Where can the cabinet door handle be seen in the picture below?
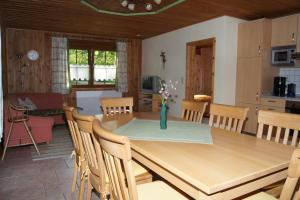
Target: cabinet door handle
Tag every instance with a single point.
(271, 109)
(293, 36)
(271, 101)
(257, 96)
(259, 49)
(256, 110)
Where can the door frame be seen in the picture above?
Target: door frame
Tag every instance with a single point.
(189, 59)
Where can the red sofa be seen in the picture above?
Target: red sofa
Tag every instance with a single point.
(41, 127)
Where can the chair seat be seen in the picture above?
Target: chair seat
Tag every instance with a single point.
(261, 196)
(138, 169)
(158, 190)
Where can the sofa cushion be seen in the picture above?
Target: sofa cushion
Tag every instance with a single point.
(27, 103)
(42, 100)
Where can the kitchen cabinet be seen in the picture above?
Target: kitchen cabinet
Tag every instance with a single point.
(250, 38)
(272, 104)
(248, 80)
(250, 124)
(284, 31)
(254, 75)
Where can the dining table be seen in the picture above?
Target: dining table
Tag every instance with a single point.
(233, 165)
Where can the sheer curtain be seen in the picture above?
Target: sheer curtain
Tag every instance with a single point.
(122, 83)
(60, 80)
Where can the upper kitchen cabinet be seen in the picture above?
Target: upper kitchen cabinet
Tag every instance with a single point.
(284, 31)
(251, 38)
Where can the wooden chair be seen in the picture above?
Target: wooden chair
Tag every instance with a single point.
(192, 110)
(280, 124)
(95, 166)
(18, 114)
(227, 117)
(97, 177)
(289, 187)
(80, 163)
(120, 105)
(118, 161)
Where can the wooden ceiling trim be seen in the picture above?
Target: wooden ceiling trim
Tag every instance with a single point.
(72, 16)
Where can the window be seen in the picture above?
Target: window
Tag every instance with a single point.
(104, 67)
(79, 67)
(92, 67)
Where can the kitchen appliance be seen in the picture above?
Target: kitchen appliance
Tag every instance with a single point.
(292, 107)
(283, 55)
(291, 90)
(279, 86)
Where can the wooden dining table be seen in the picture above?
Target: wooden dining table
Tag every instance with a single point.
(234, 165)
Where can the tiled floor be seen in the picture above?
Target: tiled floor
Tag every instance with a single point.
(24, 179)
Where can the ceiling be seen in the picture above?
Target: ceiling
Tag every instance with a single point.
(70, 16)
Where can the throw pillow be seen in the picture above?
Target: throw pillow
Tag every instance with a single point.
(30, 104)
(21, 102)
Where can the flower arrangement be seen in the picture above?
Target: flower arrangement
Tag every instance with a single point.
(165, 91)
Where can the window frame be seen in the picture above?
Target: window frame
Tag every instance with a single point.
(91, 53)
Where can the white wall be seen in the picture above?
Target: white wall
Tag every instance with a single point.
(224, 29)
(89, 100)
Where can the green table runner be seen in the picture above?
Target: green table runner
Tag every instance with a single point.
(177, 131)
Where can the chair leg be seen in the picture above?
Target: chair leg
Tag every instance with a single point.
(74, 176)
(89, 190)
(81, 187)
(7, 139)
(30, 135)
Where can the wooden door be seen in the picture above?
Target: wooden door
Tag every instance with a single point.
(250, 39)
(248, 80)
(200, 68)
(298, 36)
(284, 31)
(250, 125)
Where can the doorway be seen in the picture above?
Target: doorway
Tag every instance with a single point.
(200, 70)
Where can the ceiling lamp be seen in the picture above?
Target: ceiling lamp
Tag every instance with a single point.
(131, 7)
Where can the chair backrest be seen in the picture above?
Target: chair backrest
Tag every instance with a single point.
(91, 146)
(277, 124)
(77, 142)
(227, 117)
(117, 157)
(193, 110)
(119, 105)
(291, 182)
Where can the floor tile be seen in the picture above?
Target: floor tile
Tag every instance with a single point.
(28, 193)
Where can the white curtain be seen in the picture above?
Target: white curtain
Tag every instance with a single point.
(122, 83)
(1, 91)
(60, 80)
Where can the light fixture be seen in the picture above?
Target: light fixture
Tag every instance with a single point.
(131, 7)
(124, 3)
(148, 6)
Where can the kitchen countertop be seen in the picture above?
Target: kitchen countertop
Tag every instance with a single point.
(297, 98)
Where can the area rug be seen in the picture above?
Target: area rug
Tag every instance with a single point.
(61, 145)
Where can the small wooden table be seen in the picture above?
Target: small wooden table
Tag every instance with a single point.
(234, 165)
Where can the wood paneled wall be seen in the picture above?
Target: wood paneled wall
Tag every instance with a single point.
(134, 49)
(24, 75)
(35, 76)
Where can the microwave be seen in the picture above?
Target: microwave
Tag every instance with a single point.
(283, 55)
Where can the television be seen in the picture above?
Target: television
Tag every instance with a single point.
(150, 84)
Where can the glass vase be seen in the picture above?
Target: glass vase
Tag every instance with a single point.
(163, 116)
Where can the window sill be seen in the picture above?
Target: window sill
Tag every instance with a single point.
(93, 87)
